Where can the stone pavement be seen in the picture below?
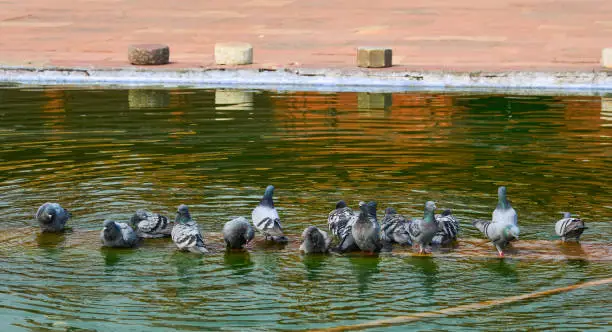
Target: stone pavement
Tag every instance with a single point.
(468, 35)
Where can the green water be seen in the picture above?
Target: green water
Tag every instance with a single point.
(105, 153)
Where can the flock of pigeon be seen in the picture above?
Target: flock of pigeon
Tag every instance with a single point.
(355, 231)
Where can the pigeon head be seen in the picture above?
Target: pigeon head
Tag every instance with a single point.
(372, 209)
(430, 208)
(45, 213)
(390, 211)
(182, 214)
(267, 197)
(249, 234)
(111, 229)
(503, 200)
(512, 232)
(566, 215)
(341, 204)
(137, 217)
(363, 216)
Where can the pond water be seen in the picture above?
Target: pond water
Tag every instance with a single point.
(105, 153)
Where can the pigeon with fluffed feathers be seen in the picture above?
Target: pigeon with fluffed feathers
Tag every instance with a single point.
(394, 228)
(340, 222)
(118, 235)
(314, 241)
(366, 230)
(237, 233)
(52, 217)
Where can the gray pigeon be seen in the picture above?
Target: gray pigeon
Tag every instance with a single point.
(118, 235)
(266, 219)
(366, 230)
(569, 227)
(238, 232)
(423, 230)
(314, 241)
(52, 217)
(340, 222)
(499, 233)
(504, 213)
(151, 225)
(186, 232)
(395, 228)
(448, 228)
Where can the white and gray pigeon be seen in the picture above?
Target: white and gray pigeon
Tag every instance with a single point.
(504, 213)
(448, 228)
(569, 227)
(366, 230)
(266, 219)
(237, 232)
(423, 230)
(52, 217)
(500, 233)
(314, 241)
(340, 222)
(395, 228)
(118, 235)
(186, 233)
(151, 225)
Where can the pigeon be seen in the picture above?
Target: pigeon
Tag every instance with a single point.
(52, 217)
(314, 241)
(569, 227)
(238, 232)
(395, 228)
(186, 232)
(423, 230)
(504, 213)
(366, 230)
(340, 222)
(266, 220)
(448, 227)
(151, 225)
(118, 235)
(499, 233)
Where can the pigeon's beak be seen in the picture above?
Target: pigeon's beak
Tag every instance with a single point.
(105, 229)
(49, 216)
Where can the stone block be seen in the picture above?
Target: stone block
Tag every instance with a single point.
(149, 54)
(606, 57)
(374, 57)
(143, 99)
(233, 53)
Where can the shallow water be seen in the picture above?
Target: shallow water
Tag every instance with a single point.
(105, 153)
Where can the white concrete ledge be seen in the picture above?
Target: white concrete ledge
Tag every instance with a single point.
(334, 79)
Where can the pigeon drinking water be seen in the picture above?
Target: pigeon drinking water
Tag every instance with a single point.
(118, 235)
(186, 233)
(266, 219)
(499, 233)
(314, 241)
(569, 227)
(238, 232)
(423, 230)
(52, 217)
(366, 230)
(151, 225)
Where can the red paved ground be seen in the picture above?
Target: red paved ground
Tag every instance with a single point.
(424, 34)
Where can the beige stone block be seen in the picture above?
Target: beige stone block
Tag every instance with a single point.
(606, 57)
(233, 53)
(374, 57)
(233, 100)
(606, 111)
(149, 54)
(142, 99)
(373, 101)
